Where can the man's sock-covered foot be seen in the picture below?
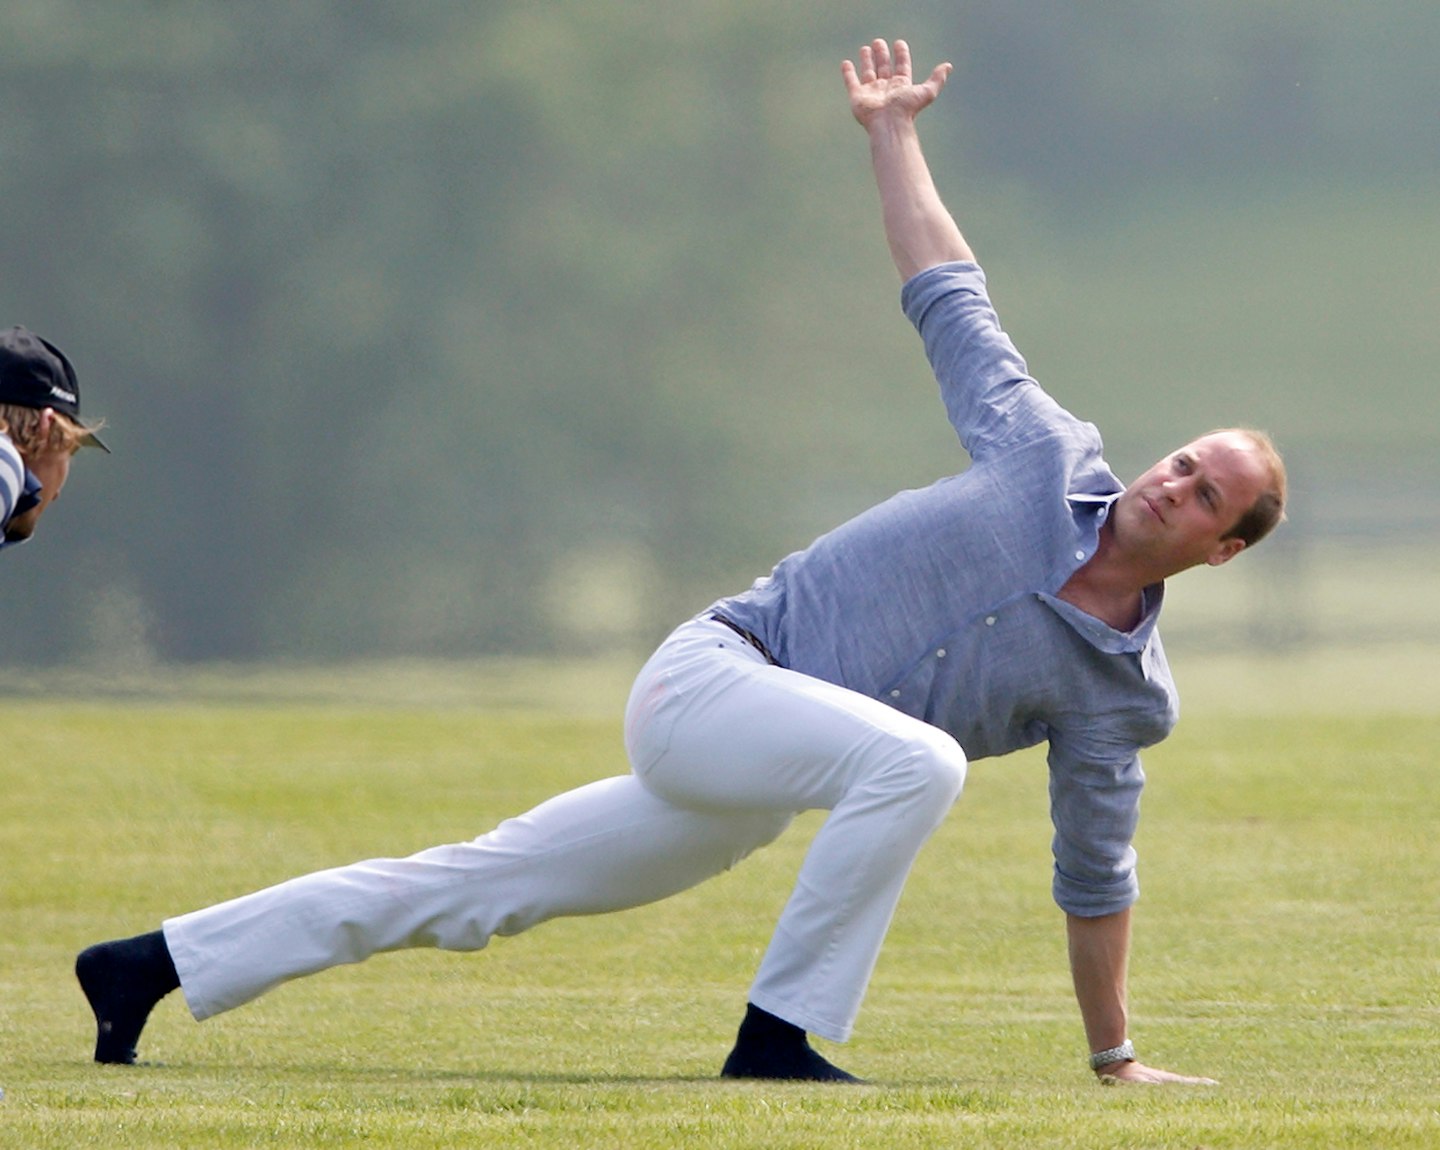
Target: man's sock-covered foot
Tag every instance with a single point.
(124, 980)
(770, 1047)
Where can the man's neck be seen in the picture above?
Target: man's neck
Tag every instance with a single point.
(1121, 611)
(1107, 587)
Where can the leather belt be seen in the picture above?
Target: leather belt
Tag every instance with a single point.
(746, 635)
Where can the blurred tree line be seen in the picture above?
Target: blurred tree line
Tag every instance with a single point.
(455, 328)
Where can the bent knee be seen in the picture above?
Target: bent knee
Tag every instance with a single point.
(947, 765)
(934, 766)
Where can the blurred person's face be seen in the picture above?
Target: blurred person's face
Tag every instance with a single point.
(52, 468)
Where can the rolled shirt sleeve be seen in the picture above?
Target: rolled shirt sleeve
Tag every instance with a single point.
(1095, 808)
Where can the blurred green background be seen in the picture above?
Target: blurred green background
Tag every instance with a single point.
(476, 329)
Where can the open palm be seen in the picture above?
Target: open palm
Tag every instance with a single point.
(883, 82)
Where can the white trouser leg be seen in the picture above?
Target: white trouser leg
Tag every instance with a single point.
(601, 847)
(725, 748)
(724, 729)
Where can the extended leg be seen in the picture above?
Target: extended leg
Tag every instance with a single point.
(602, 847)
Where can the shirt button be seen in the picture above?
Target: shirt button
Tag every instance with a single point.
(989, 620)
(1079, 555)
(940, 654)
(894, 694)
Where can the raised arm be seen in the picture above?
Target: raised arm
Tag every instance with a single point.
(885, 100)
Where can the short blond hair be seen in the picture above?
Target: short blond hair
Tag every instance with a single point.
(22, 425)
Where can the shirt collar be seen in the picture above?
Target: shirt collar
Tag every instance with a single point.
(1095, 508)
(1104, 637)
(1085, 500)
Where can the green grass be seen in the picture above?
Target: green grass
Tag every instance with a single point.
(1287, 941)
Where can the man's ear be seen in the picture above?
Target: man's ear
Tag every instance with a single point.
(1226, 551)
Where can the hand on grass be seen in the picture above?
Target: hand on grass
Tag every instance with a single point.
(1124, 1073)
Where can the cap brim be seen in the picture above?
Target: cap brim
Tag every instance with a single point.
(93, 440)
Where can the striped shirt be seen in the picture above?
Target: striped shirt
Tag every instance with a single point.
(16, 483)
(942, 601)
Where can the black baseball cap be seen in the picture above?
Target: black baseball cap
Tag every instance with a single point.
(35, 373)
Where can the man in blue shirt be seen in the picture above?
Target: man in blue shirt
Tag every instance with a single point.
(1012, 604)
(40, 430)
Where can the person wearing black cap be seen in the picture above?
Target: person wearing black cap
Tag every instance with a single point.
(40, 429)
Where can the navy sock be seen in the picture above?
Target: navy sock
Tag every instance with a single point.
(769, 1047)
(123, 980)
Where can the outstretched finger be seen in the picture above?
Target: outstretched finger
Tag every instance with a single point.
(881, 51)
(867, 65)
(902, 61)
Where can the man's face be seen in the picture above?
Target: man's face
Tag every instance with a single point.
(1180, 511)
(51, 468)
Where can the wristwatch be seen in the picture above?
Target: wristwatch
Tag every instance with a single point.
(1125, 1052)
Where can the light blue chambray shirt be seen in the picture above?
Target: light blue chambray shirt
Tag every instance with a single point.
(941, 601)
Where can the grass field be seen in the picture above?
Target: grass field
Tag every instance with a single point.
(1288, 939)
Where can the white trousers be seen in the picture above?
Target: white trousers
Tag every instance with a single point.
(726, 748)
